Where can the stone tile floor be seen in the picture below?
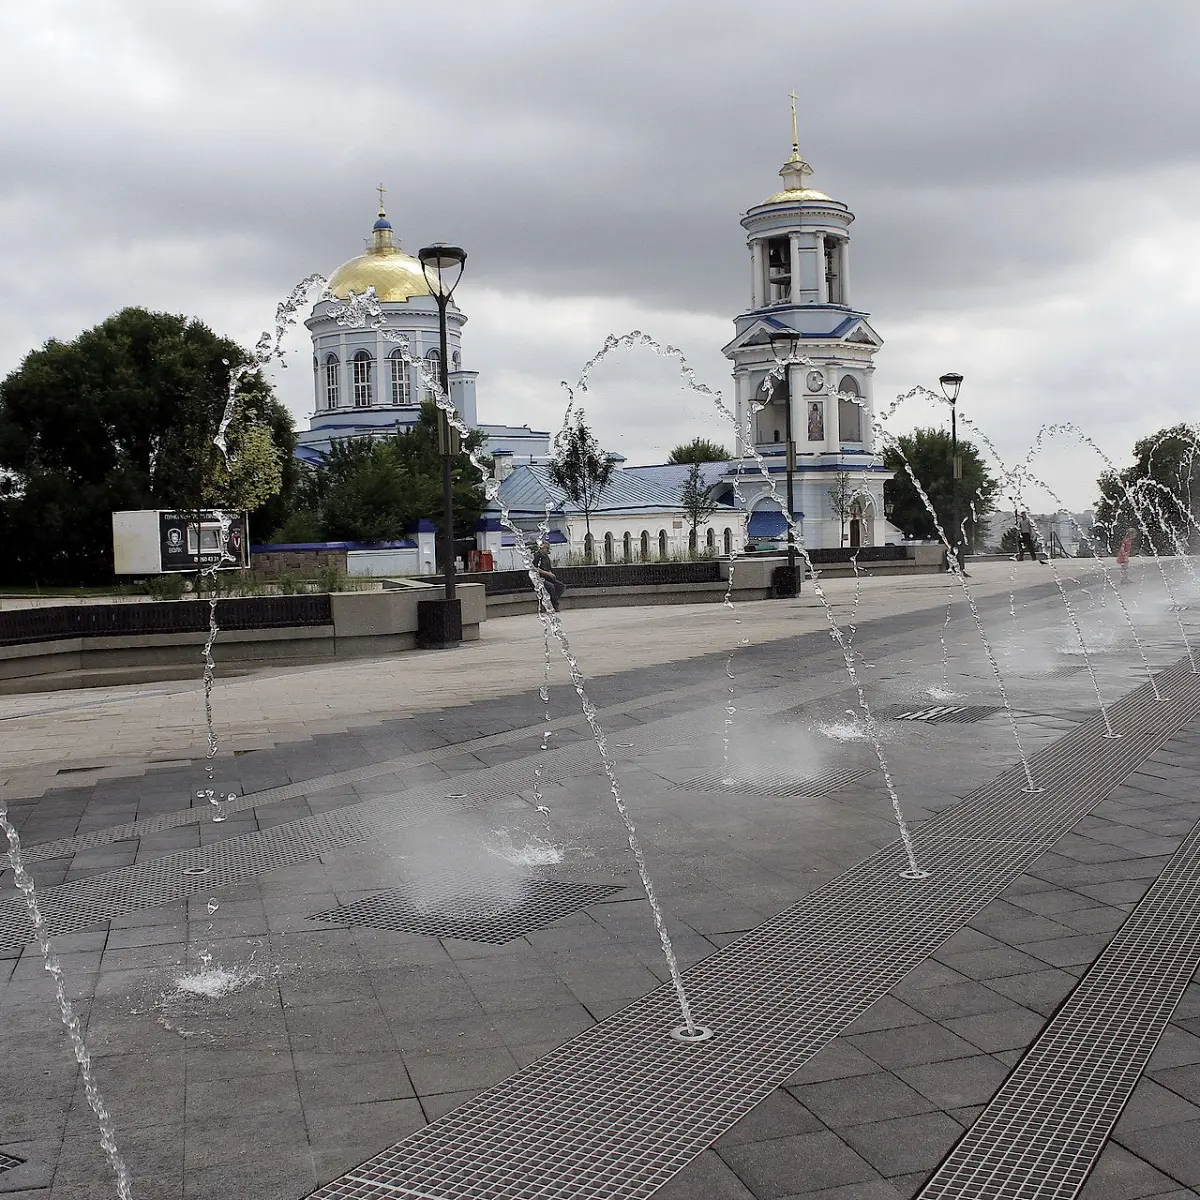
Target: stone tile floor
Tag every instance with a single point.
(340, 1042)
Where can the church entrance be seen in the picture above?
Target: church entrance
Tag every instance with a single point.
(855, 533)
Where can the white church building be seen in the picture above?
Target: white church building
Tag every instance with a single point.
(361, 384)
(799, 244)
(799, 248)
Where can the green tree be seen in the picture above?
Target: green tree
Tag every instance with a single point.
(124, 417)
(1165, 484)
(841, 499)
(698, 503)
(929, 453)
(373, 491)
(698, 450)
(580, 467)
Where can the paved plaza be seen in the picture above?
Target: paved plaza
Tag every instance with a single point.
(416, 958)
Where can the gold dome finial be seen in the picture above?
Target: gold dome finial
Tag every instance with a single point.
(795, 136)
(381, 189)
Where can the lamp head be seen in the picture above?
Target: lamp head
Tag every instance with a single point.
(440, 259)
(951, 382)
(783, 344)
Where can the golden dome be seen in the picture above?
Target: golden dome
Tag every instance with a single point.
(796, 196)
(395, 276)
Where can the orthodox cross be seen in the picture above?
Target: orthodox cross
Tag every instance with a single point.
(381, 189)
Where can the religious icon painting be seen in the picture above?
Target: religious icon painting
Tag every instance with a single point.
(816, 421)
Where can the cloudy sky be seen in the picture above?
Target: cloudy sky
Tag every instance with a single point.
(1024, 175)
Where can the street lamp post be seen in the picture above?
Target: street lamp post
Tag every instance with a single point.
(443, 625)
(950, 383)
(783, 346)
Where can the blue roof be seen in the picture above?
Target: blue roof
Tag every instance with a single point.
(767, 523)
(382, 223)
(528, 489)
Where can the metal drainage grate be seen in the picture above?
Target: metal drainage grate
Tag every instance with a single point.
(1045, 1128)
(752, 784)
(7, 1162)
(621, 1108)
(496, 912)
(943, 714)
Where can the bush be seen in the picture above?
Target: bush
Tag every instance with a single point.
(332, 579)
(166, 587)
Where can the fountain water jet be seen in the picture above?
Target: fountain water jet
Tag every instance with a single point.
(638, 338)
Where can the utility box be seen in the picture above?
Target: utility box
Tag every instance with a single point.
(154, 541)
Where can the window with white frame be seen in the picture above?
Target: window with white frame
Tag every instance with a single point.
(331, 381)
(433, 368)
(362, 364)
(401, 380)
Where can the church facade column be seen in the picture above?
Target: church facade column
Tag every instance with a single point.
(822, 279)
(797, 282)
(845, 270)
(757, 299)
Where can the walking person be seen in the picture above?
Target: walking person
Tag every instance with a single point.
(1025, 536)
(545, 568)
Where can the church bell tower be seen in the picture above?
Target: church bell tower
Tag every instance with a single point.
(799, 245)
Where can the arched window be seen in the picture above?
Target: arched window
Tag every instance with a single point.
(777, 435)
(728, 540)
(627, 546)
(589, 546)
(662, 543)
(608, 547)
(433, 368)
(401, 380)
(645, 545)
(849, 412)
(331, 381)
(362, 364)
(710, 538)
(456, 361)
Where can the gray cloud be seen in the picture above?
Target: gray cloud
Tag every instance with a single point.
(997, 155)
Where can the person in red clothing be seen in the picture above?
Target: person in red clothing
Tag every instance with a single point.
(1123, 553)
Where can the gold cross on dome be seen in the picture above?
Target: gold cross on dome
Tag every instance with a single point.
(381, 190)
(795, 135)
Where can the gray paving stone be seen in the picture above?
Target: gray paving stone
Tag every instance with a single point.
(958, 1000)
(1172, 1149)
(454, 1071)
(912, 1046)
(1042, 991)
(838, 1060)
(905, 1144)
(774, 1169)
(779, 1115)
(706, 1177)
(1012, 1028)
(1151, 1105)
(958, 1082)
(879, 1189)
(844, 1102)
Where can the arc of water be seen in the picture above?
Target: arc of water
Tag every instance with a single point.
(365, 310)
(1106, 575)
(53, 967)
(1053, 430)
(688, 374)
(960, 578)
(1144, 485)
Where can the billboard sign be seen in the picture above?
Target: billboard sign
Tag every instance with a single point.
(186, 544)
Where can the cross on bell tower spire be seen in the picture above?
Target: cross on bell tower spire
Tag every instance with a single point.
(795, 171)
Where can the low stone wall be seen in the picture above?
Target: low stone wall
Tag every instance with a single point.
(616, 586)
(255, 632)
(305, 563)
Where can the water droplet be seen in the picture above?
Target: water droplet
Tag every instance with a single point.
(544, 692)
(212, 907)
